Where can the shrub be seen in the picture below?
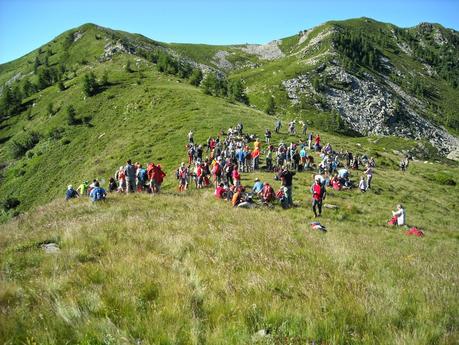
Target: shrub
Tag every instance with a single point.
(24, 143)
(71, 116)
(10, 203)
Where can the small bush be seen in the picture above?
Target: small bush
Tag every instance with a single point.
(24, 143)
(10, 203)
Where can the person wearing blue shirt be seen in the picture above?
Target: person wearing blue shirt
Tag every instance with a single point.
(71, 193)
(97, 193)
(258, 186)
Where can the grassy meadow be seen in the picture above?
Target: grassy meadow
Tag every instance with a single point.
(186, 268)
(189, 269)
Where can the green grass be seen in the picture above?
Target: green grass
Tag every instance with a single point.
(188, 269)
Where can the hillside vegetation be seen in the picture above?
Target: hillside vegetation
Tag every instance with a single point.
(188, 269)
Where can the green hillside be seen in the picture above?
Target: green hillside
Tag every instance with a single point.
(188, 269)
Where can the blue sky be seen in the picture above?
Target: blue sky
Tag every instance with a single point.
(27, 24)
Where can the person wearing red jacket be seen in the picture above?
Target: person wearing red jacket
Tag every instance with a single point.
(255, 158)
(236, 176)
(157, 178)
(318, 192)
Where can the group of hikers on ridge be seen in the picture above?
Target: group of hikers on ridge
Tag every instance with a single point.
(127, 179)
(220, 162)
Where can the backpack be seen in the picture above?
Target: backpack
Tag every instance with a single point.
(143, 175)
(98, 194)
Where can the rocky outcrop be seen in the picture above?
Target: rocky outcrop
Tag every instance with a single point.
(268, 51)
(371, 106)
(220, 60)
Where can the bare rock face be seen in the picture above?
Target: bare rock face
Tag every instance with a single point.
(113, 48)
(268, 51)
(220, 60)
(371, 106)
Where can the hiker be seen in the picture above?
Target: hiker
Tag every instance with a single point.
(199, 175)
(182, 176)
(71, 193)
(130, 173)
(363, 185)
(121, 177)
(278, 126)
(310, 140)
(255, 158)
(269, 158)
(398, 216)
(369, 172)
(318, 194)
(112, 185)
(349, 159)
(268, 136)
(267, 194)
(304, 126)
(190, 137)
(141, 177)
(257, 187)
(236, 199)
(240, 156)
(220, 191)
(317, 146)
(287, 176)
(83, 188)
(336, 183)
(236, 176)
(281, 195)
(157, 178)
(97, 193)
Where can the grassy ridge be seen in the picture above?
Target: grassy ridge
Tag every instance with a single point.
(181, 269)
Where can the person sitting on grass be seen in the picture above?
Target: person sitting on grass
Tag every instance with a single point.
(257, 187)
(97, 193)
(71, 193)
(398, 216)
(267, 194)
(112, 185)
(83, 188)
(220, 191)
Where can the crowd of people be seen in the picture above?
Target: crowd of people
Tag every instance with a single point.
(221, 160)
(129, 178)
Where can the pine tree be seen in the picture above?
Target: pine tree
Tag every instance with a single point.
(271, 107)
(10, 103)
(28, 88)
(236, 92)
(61, 85)
(196, 77)
(71, 115)
(209, 84)
(90, 86)
(36, 64)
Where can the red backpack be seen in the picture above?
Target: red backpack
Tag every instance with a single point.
(415, 231)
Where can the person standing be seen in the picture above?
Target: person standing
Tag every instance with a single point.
(130, 174)
(369, 173)
(317, 197)
(278, 126)
(287, 181)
